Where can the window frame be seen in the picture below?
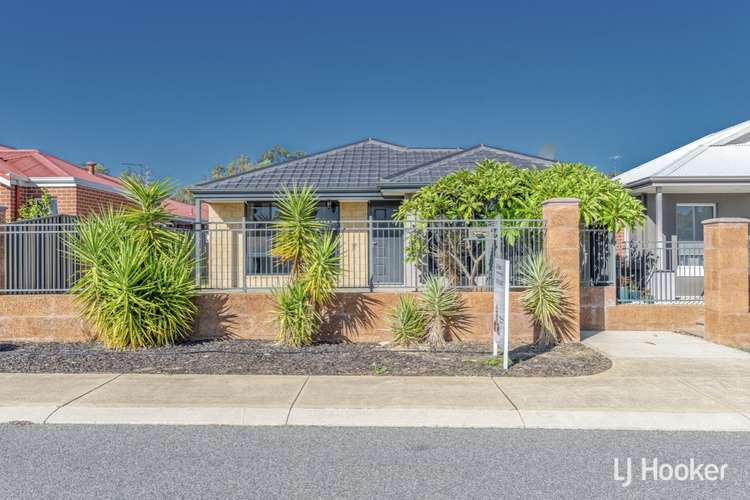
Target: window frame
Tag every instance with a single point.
(271, 266)
(714, 207)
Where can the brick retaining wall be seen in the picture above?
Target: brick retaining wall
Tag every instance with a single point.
(360, 317)
(600, 311)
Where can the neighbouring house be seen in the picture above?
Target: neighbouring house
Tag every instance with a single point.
(75, 190)
(710, 177)
(707, 178)
(355, 182)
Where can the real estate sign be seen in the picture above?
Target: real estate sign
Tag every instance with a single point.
(500, 319)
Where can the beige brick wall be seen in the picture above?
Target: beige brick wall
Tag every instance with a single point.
(354, 244)
(226, 248)
(225, 245)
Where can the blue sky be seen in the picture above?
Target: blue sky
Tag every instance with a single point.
(184, 86)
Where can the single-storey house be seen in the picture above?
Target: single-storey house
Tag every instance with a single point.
(707, 178)
(355, 182)
(75, 190)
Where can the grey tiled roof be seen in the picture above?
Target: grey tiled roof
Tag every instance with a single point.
(363, 166)
(357, 166)
(464, 160)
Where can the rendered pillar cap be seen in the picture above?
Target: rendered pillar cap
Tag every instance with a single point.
(727, 220)
(561, 201)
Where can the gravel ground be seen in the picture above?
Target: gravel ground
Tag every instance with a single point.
(263, 357)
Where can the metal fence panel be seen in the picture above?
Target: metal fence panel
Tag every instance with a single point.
(35, 256)
(237, 256)
(643, 272)
(374, 254)
(597, 257)
(660, 272)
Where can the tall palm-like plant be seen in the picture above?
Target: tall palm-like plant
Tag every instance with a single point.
(296, 227)
(146, 212)
(440, 304)
(544, 299)
(296, 316)
(301, 240)
(321, 269)
(136, 287)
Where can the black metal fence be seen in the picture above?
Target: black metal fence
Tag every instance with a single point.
(643, 272)
(374, 254)
(35, 257)
(598, 260)
(238, 256)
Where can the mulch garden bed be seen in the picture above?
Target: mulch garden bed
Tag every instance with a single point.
(263, 357)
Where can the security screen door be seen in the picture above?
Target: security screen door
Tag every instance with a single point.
(386, 245)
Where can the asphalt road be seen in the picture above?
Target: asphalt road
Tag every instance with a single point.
(47, 461)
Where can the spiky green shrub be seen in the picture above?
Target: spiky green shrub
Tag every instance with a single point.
(295, 315)
(296, 228)
(544, 299)
(441, 305)
(407, 321)
(321, 269)
(137, 283)
(301, 239)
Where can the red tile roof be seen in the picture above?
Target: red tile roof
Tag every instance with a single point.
(35, 163)
(184, 210)
(32, 163)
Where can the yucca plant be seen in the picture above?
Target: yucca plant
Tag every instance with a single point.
(296, 228)
(296, 317)
(302, 241)
(137, 286)
(321, 269)
(441, 304)
(146, 213)
(407, 321)
(544, 299)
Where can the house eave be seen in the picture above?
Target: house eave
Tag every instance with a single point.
(57, 182)
(243, 195)
(690, 184)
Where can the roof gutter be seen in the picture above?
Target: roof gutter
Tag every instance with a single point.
(237, 195)
(686, 180)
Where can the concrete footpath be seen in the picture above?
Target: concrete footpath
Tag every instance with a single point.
(659, 381)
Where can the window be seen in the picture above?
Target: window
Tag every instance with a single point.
(53, 206)
(689, 219)
(259, 235)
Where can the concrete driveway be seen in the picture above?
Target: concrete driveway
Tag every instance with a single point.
(665, 345)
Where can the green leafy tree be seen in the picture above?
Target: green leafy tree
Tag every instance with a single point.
(495, 190)
(36, 207)
(500, 190)
(277, 154)
(243, 163)
(183, 195)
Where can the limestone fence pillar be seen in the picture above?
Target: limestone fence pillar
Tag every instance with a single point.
(725, 276)
(562, 249)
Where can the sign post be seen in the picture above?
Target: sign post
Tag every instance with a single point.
(501, 299)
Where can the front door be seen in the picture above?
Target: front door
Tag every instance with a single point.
(386, 245)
